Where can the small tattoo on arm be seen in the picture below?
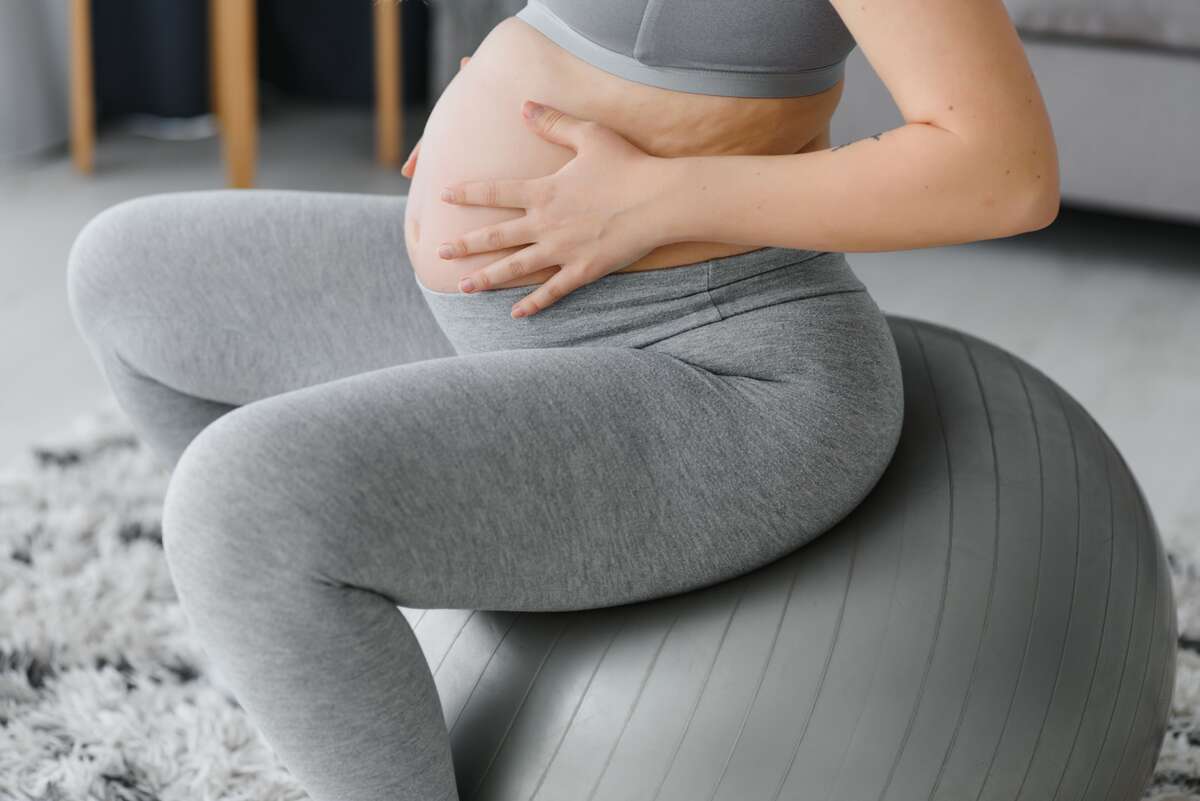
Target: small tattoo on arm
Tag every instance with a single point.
(872, 136)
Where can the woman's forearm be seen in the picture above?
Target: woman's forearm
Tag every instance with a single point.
(914, 186)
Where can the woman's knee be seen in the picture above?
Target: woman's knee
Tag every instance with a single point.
(224, 521)
(241, 522)
(107, 262)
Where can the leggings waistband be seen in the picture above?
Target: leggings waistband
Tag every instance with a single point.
(635, 309)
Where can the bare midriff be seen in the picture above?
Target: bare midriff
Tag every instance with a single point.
(475, 132)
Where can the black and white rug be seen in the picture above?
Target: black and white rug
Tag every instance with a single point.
(104, 694)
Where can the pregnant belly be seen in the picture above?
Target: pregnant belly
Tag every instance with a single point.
(475, 132)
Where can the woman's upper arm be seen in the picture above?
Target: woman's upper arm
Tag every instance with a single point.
(960, 65)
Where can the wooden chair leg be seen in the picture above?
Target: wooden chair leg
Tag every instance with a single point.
(389, 121)
(82, 98)
(237, 88)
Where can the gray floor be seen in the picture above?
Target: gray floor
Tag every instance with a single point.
(1108, 306)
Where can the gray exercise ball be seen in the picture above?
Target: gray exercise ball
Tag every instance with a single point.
(994, 622)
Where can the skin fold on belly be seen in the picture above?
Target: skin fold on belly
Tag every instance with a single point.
(475, 132)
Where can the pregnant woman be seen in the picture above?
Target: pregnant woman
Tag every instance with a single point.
(663, 374)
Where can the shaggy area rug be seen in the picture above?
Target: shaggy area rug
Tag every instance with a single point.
(105, 695)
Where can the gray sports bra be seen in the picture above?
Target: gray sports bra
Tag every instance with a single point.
(742, 48)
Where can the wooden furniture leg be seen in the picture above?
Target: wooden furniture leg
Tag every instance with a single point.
(389, 121)
(82, 98)
(236, 75)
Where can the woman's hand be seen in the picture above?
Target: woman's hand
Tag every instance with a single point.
(410, 163)
(593, 216)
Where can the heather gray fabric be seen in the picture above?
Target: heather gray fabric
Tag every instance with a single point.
(344, 441)
(754, 48)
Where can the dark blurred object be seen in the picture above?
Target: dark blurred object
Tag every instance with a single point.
(321, 49)
(151, 56)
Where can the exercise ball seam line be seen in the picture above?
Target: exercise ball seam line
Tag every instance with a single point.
(1168, 662)
(1169, 682)
(937, 407)
(520, 706)
(824, 668)
(1037, 436)
(1141, 683)
(483, 672)
(700, 694)
(1112, 539)
(420, 620)
(1158, 562)
(987, 615)
(466, 621)
(634, 705)
(1157, 700)
(1057, 392)
(758, 688)
(578, 703)
(1173, 638)
(837, 778)
(1125, 661)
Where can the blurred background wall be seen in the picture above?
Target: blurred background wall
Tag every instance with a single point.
(33, 76)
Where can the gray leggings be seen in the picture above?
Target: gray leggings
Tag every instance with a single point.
(345, 441)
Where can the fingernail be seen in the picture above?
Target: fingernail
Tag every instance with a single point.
(518, 311)
(445, 251)
(466, 285)
(447, 195)
(533, 109)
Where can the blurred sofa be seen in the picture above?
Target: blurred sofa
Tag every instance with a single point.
(1121, 79)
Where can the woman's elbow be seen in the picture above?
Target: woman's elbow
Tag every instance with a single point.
(1042, 206)
(1041, 209)
(1029, 207)
(1040, 203)
(1019, 175)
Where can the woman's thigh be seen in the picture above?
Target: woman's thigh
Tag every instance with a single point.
(538, 479)
(235, 295)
